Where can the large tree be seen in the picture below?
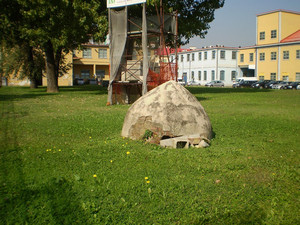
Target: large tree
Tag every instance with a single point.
(55, 26)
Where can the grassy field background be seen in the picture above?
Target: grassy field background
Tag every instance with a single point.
(63, 161)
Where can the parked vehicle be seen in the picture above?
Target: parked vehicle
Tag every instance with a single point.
(293, 85)
(260, 84)
(180, 81)
(194, 83)
(215, 83)
(240, 79)
(281, 85)
(298, 87)
(271, 83)
(243, 84)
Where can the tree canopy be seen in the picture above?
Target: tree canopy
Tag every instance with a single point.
(54, 26)
(194, 16)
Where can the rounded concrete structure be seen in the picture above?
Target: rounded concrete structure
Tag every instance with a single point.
(169, 110)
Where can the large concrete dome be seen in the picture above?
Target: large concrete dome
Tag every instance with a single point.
(169, 110)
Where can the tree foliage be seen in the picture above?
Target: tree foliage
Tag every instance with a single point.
(194, 16)
(55, 26)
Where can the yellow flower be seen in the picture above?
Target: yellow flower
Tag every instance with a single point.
(148, 181)
(59, 150)
(127, 153)
(90, 137)
(111, 161)
(146, 178)
(94, 175)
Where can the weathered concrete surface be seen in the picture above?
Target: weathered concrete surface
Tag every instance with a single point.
(194, 141)
(169, 110)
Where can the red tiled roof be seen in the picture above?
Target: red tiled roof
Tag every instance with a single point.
(291, 38)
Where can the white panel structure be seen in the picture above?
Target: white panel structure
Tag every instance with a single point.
(122, 3)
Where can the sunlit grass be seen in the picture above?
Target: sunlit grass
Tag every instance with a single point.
(63, 161)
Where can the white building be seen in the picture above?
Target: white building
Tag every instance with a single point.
(208, 64)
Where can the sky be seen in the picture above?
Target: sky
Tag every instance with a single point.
(235, 23)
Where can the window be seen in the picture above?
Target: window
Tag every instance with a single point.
(85, 74)
(212, 75)
(188, 57)
(286, 54)
(261, 78)
(200, 56)
(273, 33)
(205, 55)
(251, 57)
(297, 77)
(233, 75)
(100, 73)
(273, 76)
(193, 57)
(297, 54)
(233, 55)
(102, 53)
(193, 75)
(222, 55)
(213, 54)
(262, 35)
(205, 75)
(181, 58)
(242, 57)
(87, 53)
(222, 75)
(273, 55)
(199, 75)
(285, 78)
(262, 56)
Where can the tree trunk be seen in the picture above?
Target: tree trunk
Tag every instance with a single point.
(32, 71)
(52, 78)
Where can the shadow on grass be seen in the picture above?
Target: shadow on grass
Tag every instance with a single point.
(202, 90)
(54, 202)
(18, 93)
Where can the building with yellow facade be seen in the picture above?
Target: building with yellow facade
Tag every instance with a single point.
(276, 55)
(88, 65)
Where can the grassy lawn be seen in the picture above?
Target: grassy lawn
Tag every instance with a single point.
(63, 161)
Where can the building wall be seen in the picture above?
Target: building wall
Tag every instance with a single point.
(266, 23)
(80, 63)
(267, 66)
(290, 23)
(285, 23)
(289, 67)
(210, 66)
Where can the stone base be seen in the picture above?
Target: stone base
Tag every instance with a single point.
(194, 141)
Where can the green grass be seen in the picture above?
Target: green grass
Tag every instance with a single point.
(63, 161)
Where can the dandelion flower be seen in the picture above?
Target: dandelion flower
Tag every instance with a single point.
(127, 153)
(111, 161)
(148, 181)
(59, 150)
(146, 178)
(94, 175)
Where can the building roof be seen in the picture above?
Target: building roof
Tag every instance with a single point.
(278, 10)
(291, 38)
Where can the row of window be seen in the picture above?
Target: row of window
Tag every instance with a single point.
(222, 75)
(262, 35)
(87, 53)
(273, 76)
(273, 56)
(85, 74)
(191, 56)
